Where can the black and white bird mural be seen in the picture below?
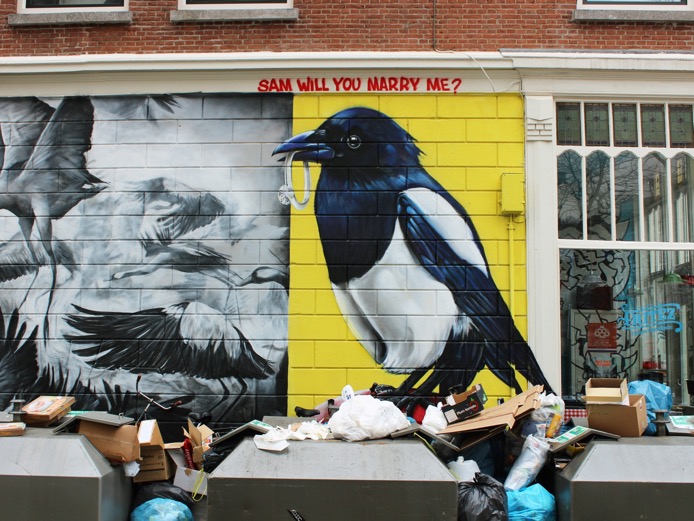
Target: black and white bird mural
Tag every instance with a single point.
(141, 244)
(407, 267)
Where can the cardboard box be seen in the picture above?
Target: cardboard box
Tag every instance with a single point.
(200, 437)
(607, 390)
(193, 481)
(464, 405)
(496, 419)
(12, 429)
(625, 420)
(155, 464)
(44, 410)
(117, 444)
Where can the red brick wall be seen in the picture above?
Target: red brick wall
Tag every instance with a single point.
(387, 25)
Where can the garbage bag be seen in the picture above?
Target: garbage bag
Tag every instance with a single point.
(364, 417)
(160, 489)
(160, 509)
(482, 499)
(658, 397)
(528, 465)
(532, 503)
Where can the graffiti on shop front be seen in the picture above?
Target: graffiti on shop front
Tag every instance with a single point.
(406, 264)
(653, 318)
(136, 252)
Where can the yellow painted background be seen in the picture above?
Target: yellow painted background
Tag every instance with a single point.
(468, 142)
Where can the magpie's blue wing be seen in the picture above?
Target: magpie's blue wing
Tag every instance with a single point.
(446, 244)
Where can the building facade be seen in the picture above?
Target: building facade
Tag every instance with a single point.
(150, 236)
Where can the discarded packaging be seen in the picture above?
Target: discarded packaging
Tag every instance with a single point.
(117, 444)
(200, 437)
(499, 417)
(12, 429)
(155, 464)
(464, 405)
(44, 410)
(625, 420)
(607, 390)
(193, 481)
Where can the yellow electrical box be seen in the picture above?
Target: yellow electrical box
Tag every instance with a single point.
(512, 194)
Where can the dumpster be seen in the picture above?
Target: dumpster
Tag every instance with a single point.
(49, 477)
(336, 480)
(633, 478)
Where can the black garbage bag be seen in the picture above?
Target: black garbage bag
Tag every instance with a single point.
(163, 490)
(482, 499)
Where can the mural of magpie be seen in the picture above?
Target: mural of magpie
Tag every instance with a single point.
(406, 264)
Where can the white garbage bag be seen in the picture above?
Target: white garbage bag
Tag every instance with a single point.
(363, 417)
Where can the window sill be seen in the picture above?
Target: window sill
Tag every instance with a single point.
(113, 17)
(234, 15)
(615, 15)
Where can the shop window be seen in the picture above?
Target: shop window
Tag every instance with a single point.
(625, 243)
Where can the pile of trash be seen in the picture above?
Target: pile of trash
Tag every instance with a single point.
(504, 457)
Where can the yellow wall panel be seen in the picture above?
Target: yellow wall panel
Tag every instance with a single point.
(495, 130)
(469, 141)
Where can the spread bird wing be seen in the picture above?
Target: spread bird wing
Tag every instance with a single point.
(16, 260)
(63, 144)
(446, 244)
(21, 123)
(152, 340)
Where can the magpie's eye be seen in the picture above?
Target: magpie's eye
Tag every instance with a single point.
(353, 142)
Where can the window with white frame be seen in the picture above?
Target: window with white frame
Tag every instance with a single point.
(52, 6)
(625, 190)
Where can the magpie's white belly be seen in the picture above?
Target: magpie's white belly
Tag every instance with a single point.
(400, 303)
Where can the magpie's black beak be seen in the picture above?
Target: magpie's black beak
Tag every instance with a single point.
(306, 147)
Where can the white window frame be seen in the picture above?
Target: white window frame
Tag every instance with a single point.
(23, 9)
(183, 5)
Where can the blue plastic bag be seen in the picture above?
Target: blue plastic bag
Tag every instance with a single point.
(658, 397)
(160, 509)
(532, 503)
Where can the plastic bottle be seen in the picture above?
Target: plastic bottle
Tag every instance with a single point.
(463, 470)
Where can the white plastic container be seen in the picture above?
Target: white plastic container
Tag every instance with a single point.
(463, 470)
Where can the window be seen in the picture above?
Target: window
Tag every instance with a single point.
(52, 6)
(625, 196)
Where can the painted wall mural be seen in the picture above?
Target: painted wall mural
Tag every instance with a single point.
(387, 226)
(142, 235)
(143, 242)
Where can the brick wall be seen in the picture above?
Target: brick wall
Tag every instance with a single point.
(352, 26)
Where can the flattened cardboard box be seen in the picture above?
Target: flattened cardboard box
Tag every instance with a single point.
(607, 390)
(500, 416)
(626, 420)
(117, 444)
(46, 409)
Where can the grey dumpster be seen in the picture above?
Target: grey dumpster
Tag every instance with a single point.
(647, 478)
(333, 480)
(49, 477)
